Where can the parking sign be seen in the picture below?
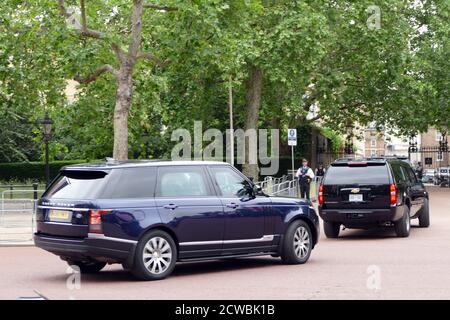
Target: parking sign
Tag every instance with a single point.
(292, 137)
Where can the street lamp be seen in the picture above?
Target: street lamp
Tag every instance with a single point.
(47, 124)
(443, 143)
(146, 139)
(412, 146)
(348, 145)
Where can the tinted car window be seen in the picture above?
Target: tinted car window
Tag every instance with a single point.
(181, 181)
(112, 184)
(372, 174)
(72, 184)
(131, 183)
(409, 174)
(399, 175)
(230, 183)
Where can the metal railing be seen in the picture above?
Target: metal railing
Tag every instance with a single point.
(17, 215)
(280, 186)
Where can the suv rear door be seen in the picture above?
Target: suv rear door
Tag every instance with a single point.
(357, 185)
(63, 210)
(187, 203)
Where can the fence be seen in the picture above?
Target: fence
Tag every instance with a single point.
(282, 186)
(17, 218)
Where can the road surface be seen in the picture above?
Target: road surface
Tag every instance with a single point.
(372, 264)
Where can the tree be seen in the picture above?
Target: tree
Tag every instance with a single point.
(126, 59)
(31, 79)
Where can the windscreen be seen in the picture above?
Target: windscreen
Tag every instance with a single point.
(371, 174)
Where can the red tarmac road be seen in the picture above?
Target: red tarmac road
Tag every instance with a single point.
(372, 264)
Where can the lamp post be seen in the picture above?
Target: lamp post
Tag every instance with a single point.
(146, 138)
(443, 143)
(412, 146)
(47, 124)
(348, 146)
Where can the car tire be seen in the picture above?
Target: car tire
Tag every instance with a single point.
(87, 267)
(331, 229)
(403, 225)
(424, 216)
(155, 257)
(297, 243)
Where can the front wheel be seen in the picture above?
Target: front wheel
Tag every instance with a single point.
(156, 255)
(403, 225)
(297, 243)
(87, 267)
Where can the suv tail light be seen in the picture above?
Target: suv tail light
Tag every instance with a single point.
(393, 193)
(95, 220)
(320, 196)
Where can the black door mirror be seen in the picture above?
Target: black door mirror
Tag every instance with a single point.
(257, 190)
(249, 192)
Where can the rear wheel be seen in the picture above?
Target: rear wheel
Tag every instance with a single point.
(331, 229)
(156, 255)
(87, 267)
(424, 216)
(403, 225)
(297, 243)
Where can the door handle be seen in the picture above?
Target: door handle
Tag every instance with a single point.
(170, 206)
(232, 205)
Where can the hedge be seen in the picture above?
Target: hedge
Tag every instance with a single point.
(21, 171)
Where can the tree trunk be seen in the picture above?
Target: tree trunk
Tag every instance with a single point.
(124, 91)
(253, 104)
(123, 103)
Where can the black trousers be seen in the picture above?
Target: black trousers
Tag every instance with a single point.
(304, 190)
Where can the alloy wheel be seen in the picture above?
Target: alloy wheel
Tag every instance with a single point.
(157, 255)
(302, 243)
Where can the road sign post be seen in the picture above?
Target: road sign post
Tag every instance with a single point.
(292, 141)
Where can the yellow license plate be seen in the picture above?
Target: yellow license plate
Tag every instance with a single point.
(59, 215)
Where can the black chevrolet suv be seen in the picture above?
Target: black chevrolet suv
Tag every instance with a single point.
(371, 192)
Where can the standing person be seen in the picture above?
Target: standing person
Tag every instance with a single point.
(320, 172)
(305, 175)
(419, 170)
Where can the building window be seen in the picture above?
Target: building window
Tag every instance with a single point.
(373, 143)
(373, 153)
(438, 136)
(440, 156)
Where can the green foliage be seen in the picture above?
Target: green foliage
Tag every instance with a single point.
(312, 53)
(336, 140)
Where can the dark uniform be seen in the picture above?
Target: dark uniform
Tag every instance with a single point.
(304, 182)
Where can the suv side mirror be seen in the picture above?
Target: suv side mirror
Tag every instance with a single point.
(257, 190)
(249, 193)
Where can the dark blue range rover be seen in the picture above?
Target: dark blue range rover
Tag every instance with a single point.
(148, 215)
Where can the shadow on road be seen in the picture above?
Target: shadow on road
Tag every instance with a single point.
(379, 233)
(181, 269)
(191, 268)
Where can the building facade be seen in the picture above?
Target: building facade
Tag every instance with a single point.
(429, 153)
(374, 142)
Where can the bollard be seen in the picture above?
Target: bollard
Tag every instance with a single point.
(11, 187)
